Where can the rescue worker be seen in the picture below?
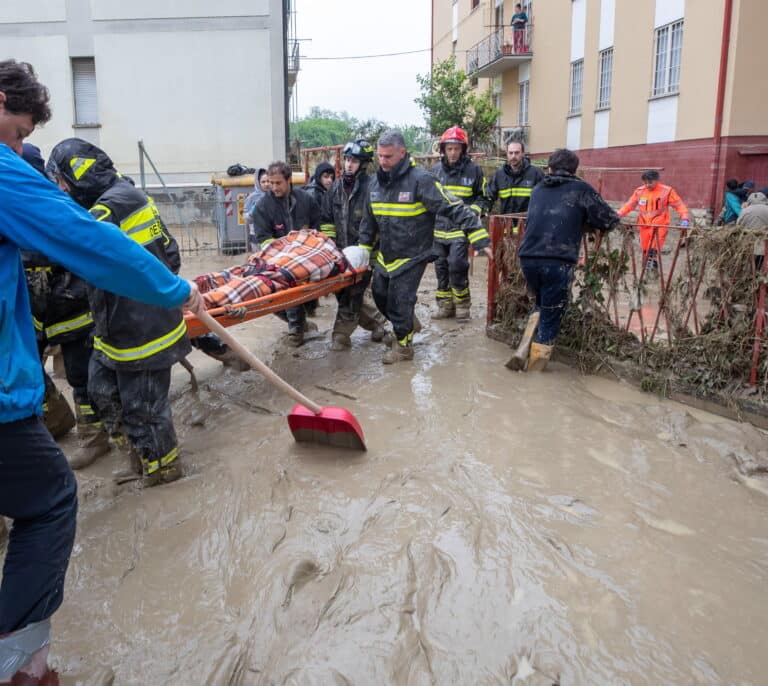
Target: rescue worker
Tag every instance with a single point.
(62, 316)
(461, 177)
(342, 212)
(38, 490)
(134, 346)
(321, 182)
(561, 206)
(654, 200)
(282, 210)
(513, 182)
(400, 216)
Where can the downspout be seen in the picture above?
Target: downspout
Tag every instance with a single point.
(432, 37)
(721, 79)
(286, 89)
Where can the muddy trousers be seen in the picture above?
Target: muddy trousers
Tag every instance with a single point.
(77, 357)
(137, 403)
(296, 318)
(39, 493)
(550, 283)
(395, 296)
(357, 308)
(452, 271)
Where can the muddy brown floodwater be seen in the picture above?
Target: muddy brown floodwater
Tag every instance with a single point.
(501, 529)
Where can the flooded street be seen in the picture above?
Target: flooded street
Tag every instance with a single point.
(502, 528)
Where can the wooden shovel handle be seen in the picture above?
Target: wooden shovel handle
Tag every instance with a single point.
(247, 356)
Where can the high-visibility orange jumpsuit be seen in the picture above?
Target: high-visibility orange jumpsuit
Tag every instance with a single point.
(654, 207)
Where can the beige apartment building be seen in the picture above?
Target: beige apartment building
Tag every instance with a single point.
(677, 85)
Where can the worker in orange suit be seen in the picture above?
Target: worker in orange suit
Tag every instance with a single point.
(654, 200)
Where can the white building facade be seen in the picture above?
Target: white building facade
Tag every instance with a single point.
(203, 84)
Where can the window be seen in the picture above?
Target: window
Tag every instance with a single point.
(577, 83)
(84, 89)
(666, 70)
(522, 114)
(604, 83)
(473, 81)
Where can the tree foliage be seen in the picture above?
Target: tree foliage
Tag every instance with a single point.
(448, 99)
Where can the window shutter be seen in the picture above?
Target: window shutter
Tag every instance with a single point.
(84, 86)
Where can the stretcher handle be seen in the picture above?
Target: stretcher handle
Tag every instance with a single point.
(247, 356)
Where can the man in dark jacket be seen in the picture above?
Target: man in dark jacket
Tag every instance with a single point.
(321, 182)
(562, 207)
(404, 201)
(513, 183)
(461, 177)
(282, 210)
(134, 345)
(342, 212)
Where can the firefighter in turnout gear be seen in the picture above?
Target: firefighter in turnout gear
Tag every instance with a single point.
(512, 183)
(461, 177)
(403, 202)
(135, 345)
(342, 212)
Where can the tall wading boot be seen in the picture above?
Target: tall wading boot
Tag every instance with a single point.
(540, 354)
(399, 352)
(93, 443)
(517, 362)
(57, 414)
(462, 310)
(389, 336)
(341, 335)
(445, 310)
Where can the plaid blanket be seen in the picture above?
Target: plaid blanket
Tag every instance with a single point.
(295, 259)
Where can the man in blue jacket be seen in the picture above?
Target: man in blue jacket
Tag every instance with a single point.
(37, 488)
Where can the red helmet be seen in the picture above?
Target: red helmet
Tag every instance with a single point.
(454, 134)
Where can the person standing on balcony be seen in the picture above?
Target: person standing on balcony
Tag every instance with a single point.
(653, 200)
(513, 183)
(519, 22)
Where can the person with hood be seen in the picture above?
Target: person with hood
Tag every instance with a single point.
(260, 186)
(461, 177)
(38, 490)
(134, 345)
(281, 210)
(561, 209)
(754, 217)
(745, 190)
(342, 212)
(320, 182)
(731, 204)
(62, 316)
(404, 201)
(513, 183)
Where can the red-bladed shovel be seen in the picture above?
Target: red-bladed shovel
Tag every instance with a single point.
(308, 421)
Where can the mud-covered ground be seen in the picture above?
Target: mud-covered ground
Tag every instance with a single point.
(502, 528)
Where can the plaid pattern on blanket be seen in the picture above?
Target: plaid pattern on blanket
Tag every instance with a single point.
(299, 257)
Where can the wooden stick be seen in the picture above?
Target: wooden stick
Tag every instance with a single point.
(247, 356)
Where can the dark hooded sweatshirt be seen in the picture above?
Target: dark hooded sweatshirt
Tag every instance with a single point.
(128, 335)
(314, 187)
(562, 207)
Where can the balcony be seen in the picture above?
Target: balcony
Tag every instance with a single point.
(293, 62)
(502, 136)
(503, 49)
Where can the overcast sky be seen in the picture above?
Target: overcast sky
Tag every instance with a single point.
(383, 88)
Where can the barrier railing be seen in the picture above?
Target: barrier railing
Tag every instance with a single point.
(649, 284)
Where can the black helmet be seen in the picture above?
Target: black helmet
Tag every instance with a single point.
(361, 149)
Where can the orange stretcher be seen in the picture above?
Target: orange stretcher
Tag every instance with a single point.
(275, 302)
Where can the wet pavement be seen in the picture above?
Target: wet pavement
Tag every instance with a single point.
(502, 528)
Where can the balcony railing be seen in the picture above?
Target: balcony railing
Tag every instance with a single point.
(293, 61)
(504, 48)
(502, 136)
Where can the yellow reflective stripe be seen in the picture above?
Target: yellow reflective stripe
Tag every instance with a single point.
(440, 295)
(476, 209)
(515, 192)
(391, 266)
(45, 407)
(86, 409)
(329, 230)
(169, 457)
(450, 199)
(143, 225)
(38, 269)
(69, 325)
(143, 351)
(478, 235)
(396, 209)
(457, 233)
(462, 191)
(80, 165)
(369, 248)
(265, 243)
(104, 210)
(405, 341)
(37, 324)
(462, 294)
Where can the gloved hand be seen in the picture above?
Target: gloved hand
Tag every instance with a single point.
(685, 223)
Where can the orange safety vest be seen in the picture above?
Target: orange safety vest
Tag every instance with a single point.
(654, 205)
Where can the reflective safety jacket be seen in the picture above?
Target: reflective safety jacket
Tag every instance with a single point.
(342, 212)
(401, 215)
(275, 217)
(128, 335)
(513, 188)
(653, 205)
(465, 180)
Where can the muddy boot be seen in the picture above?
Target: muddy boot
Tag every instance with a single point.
(93, 443)
(445, 310)
(517, 362)
(214, 347)
(57, 413)
(164, 475)
(540, 354)
(295, 339)
(399, 352)
(340, 341)
(133, 469)
(378, 333)
(389, 336)
(462, 311)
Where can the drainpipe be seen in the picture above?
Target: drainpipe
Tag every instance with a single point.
(721, 79)
(432, 37)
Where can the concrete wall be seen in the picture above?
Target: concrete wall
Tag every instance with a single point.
(202, 91)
